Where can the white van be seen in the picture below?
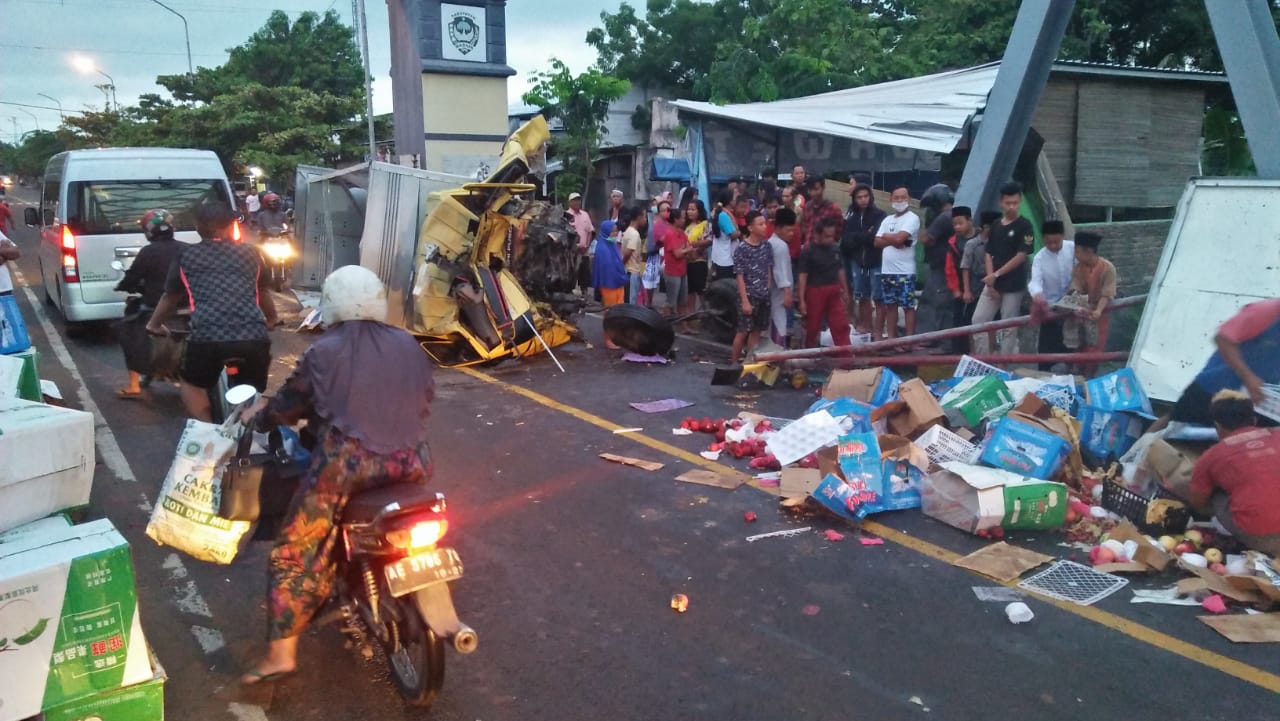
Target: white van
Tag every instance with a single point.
(90, 206)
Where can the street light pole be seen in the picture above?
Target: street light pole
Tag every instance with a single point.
(185, 31)
(113, 88)
(56, 102)
(368, 86)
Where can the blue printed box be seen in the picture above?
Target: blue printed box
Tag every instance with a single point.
(1024, 449)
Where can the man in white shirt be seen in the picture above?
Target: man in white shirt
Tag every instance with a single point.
(781, 298)
(1050, 279)
(897, 236)
(586, 230)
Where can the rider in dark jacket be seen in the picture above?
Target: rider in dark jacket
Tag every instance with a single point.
(858, 248)
(145, 280)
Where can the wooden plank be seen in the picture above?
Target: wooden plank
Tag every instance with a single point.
(629, 461)
(1112, 137)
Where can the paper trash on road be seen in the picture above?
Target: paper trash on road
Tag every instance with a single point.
(779, 534)
(1170, 596)
(669, 404)
(808, 434)
(997, 594)
(1002, 561)
(1259, 628)
(629, 461)
(711, 478)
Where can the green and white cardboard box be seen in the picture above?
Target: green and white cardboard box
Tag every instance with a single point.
(69, 625)
(976, 498)
(44, 525)
(141, 702)
(46, 460)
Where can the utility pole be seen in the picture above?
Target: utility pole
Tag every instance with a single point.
(185, 31)
(14, 119)
(368, 81)
(56, 102)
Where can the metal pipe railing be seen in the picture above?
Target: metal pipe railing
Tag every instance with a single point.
(854, 351)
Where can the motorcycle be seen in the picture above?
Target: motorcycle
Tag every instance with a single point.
(392, 580)
(278, 251)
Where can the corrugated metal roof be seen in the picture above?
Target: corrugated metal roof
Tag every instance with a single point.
(929, 112)
(1086, 67)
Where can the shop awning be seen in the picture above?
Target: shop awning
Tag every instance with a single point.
(674, 169)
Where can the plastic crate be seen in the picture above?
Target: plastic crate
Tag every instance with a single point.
(970, 367)
(1123, 502)
(941, 445)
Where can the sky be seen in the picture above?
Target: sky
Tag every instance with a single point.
(134, 41)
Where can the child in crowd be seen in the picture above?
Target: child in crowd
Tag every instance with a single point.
(753, 266)
(823, 287)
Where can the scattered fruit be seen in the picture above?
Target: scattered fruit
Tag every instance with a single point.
(1184, 548)
(1214, 555)
(1168, 543)
(1218, 568)
(1195, 537)
(749, 517)
(1101, 554)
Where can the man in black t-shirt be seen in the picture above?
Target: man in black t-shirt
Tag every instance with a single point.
(1009, 246)
(936, 302)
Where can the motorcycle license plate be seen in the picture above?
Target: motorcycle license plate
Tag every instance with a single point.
(423, 569)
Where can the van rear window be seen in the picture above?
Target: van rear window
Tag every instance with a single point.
(102, 207)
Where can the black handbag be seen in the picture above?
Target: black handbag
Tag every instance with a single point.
(258, 485)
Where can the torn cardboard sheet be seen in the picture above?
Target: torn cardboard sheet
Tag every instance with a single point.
(807, 435)
(798, 482)
(997, 594)
(628, 461)
(711, 478)
(669, 404)
(1260, 628)
(1002, 561)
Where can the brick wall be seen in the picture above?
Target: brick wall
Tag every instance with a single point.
(1135, 249)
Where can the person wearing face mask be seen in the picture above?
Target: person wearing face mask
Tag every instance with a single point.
(896, 238)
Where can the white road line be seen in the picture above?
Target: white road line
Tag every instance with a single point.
(112, 456)
(186, 596)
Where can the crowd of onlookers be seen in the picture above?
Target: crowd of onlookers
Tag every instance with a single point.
(805, 268)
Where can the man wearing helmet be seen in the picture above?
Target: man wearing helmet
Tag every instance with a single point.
(145, 279)
(231, 308)
(271, 216)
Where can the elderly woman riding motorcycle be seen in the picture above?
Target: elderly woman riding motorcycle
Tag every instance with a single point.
(365, 389)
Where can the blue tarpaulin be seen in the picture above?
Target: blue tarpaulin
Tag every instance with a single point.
(675, 169)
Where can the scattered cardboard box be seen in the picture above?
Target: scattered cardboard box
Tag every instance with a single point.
(71, 611)
(1148, 556)
(1026, 445)
(48, 461)
(975, 399)
(1258, 628)
(876, 386)
(915, 411)
(800, 482)
(974, 498)
(140, 702)
(629, 461)
(711, 478)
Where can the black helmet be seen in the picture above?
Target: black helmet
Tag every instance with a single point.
(213, 220)
(937, 196)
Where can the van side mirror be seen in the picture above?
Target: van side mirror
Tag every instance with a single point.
(30, 217)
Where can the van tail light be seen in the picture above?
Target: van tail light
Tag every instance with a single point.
(236, 237)
(70, 261)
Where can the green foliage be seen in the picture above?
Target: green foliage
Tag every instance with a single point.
(292, 94)
(581, 103)
(759, 50)
(30, 156)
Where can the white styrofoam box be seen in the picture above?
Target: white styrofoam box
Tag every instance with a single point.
(46, 460)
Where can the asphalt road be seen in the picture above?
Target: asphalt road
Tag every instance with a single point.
(571, 562)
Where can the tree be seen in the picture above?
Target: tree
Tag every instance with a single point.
(582, 103)
(29, 156)
(289, 95)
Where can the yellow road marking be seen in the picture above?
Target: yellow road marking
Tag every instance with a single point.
(1189, 651)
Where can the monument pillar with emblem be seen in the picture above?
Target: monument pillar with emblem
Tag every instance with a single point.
(449, 83)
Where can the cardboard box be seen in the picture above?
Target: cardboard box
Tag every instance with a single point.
(44, 525)
(1118, 391)
(1025, 445)
(1155, 559)
(902, 468)
(798, 482)
(69, 617)
(857, 411)
(140, 702)
(1106, 433)
(876, 386)
(1171, 464)
(973, 498)
(976, 399)
(829, 462)
(915, 411)
(47, 461)
(841, 498)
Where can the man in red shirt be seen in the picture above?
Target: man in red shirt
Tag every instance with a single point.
(818, 211)
(6, 216)
(1239, 477)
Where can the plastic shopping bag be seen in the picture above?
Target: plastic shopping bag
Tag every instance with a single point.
(185, 515)
(13, 330)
